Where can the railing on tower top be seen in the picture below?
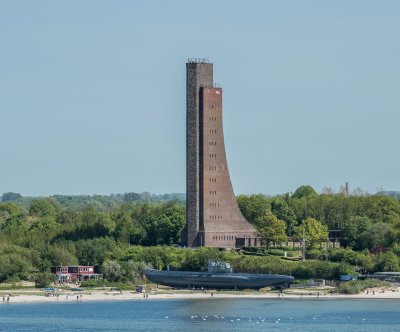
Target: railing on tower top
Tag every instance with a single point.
(211, 86)
(198, 60)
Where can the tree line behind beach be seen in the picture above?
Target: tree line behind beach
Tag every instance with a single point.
(120, 235)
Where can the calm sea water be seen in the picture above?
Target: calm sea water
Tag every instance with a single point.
(205, 315)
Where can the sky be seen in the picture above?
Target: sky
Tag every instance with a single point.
(92, 93)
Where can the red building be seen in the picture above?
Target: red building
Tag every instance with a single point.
(66, 274)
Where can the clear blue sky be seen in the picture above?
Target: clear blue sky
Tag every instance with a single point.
(92, 93)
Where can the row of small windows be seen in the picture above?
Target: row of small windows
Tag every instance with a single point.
(213, 155)
(228, 237)
(213, 192)
(213, 168)
(215, 217)
(213, 118)
(213, 180)
(214, 205)
(213, 143)
(213, 131)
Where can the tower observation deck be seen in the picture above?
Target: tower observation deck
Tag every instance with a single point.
(213, 217)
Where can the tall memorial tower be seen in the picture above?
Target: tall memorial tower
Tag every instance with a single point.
(213, 218)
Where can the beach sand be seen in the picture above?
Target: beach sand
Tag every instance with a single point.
(31, 296)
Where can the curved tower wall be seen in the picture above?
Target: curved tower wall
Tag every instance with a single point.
(213, 216)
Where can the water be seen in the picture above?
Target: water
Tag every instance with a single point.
(205, 315)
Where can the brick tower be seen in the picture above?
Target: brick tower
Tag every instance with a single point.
(213, 217)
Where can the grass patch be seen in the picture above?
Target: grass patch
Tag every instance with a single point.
(356, 287)
(105, 283)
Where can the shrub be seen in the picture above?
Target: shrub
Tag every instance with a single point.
(44, 279)
(356, 287)
(316, 254)
(350, 287)
(276, 252)
(106, 283)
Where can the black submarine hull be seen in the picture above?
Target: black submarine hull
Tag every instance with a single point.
(208, 280)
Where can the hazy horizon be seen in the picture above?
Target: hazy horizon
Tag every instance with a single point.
(92, 94)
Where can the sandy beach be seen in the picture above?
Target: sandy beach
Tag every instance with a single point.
(33, 296)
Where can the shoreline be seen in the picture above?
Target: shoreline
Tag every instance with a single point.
(104, 296)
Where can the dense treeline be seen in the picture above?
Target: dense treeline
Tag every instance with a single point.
(100, 202)
(122, 234)
(365, 222)
(47, 234)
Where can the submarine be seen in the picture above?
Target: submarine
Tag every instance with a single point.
(219, 275)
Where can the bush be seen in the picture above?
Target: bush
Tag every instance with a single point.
(316, 254)
(350, 287)
(276, 252)
(343, 255)
(14, 266)
(44, 279)
(106, 283)
(356, 287)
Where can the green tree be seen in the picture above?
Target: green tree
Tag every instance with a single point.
(171, 223)
(69, 217)
(94, 251)
(352, 230)
(383, 209)
(378, 237)
(271, 229)
(11, 214)
(14, 266)
(127, 229)
(305, 192)
(96, 223)
(314, 232)
(10, 197)
(253, 206)
(134, 270)
(43, 208)
(44, 224)
(165, 224)
(387, 262)
(61, 256)
(284, 212)
(113, 271)
(132, 197)
(44, 279)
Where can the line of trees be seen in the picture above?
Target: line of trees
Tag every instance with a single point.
(369, 222)
(38, 233)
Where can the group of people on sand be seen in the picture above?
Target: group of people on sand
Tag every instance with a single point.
(56, 295)
(368, 291)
